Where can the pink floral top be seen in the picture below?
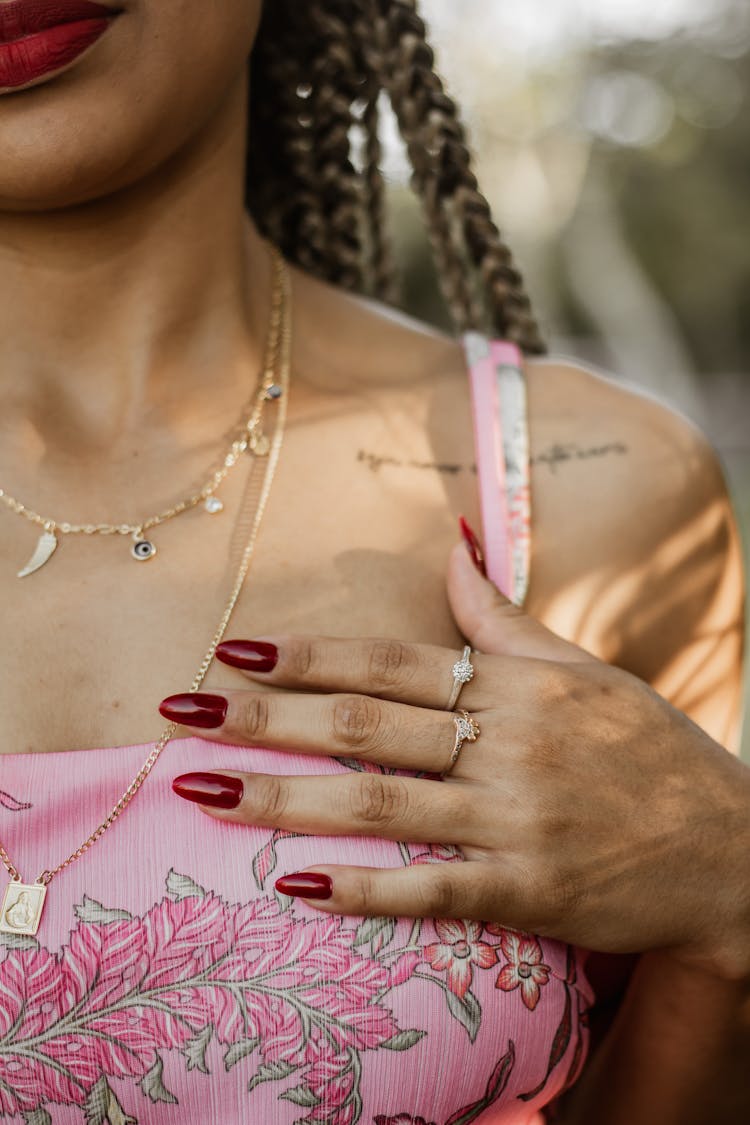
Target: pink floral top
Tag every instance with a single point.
(170, 983)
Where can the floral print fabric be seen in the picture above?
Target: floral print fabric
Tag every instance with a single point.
(169, 982)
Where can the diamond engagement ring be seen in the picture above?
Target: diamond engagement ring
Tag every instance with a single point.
(467, 730)
(463, 671)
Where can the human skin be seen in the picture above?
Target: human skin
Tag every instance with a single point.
(134, 293)
(599, 862)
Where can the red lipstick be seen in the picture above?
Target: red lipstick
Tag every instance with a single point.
(39, 36)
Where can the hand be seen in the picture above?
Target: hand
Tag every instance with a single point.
(588, 809)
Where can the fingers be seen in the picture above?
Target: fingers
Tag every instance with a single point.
(418, 674)
(466, 890)
(351, 804)
(494, 624)
(339, 725)
(376, 666)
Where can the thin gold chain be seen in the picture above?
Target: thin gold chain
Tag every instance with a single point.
(252, 437)
(278, 359)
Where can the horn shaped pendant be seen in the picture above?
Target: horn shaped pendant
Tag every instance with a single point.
(44, 548)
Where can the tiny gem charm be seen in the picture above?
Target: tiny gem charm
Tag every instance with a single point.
(22, 907)
(213, 504)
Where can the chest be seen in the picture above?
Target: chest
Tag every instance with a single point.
(95, 639)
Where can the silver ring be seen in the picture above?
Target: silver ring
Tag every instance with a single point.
(467, 730)
(463, 671)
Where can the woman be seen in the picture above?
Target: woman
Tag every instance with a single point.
(165, 979)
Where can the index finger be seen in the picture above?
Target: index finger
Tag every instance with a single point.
(422, 675)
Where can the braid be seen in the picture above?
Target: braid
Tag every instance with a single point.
(381, 265)
(301, 185)
(415, 91)
(334, 88)
(317, 71)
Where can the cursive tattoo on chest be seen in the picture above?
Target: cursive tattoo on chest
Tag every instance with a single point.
(552, 456)
(557, 454)
(377, 461)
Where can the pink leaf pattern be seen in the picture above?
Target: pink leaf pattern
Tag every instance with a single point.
(265, 860)
(438, 853)
(294, 991)
(497, 1083)
(12, 803)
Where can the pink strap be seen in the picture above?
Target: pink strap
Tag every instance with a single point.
(501, 450)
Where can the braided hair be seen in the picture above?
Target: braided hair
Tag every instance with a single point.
(314, 183)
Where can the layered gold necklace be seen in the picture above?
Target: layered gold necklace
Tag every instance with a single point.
(23, 903)
(247, 435)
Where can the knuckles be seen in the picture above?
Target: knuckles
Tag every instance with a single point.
(558, 684)
(268, 798)
(357, 722)
(390, 663)
(299, 657)
(591, 687)
(438, 896)
(363, 894)
(435, 895)
(253, 716)
(377, 801)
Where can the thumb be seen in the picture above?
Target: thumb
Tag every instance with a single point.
(491, 622)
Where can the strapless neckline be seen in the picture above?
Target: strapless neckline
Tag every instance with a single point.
(77, 750)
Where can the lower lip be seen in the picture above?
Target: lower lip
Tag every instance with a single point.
(26, 59)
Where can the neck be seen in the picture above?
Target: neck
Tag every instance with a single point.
(132, 325)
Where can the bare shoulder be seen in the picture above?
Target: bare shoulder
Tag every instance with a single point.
(635, 552)
(607, 454)
(617, 467)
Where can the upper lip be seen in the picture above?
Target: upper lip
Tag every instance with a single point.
(24, 17)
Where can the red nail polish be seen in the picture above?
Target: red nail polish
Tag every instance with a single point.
(252, 656)
(214, 789)
(195, 709)
(473, 546)
(305, 884)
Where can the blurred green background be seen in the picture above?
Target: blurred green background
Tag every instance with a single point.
(612, 141)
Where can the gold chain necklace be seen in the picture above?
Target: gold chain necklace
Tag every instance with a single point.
(250, 437)
(23, 902)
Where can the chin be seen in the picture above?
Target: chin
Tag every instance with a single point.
(52, 181)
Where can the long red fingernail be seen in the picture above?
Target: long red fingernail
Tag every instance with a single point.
(305, 884)
(473, 546)
(253, 656)
(195, 709)
(215, 789)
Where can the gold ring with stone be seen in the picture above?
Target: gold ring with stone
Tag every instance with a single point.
(467, 730)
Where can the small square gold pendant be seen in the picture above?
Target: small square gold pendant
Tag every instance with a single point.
(22, 908)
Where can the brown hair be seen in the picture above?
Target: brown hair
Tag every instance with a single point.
(316, 76)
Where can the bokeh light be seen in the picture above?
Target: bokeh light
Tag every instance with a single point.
(611, 138)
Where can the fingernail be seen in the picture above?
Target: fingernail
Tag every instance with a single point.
(253, 656)
(195, 709)
(305, 884)
(214, 789)
(473, 546)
